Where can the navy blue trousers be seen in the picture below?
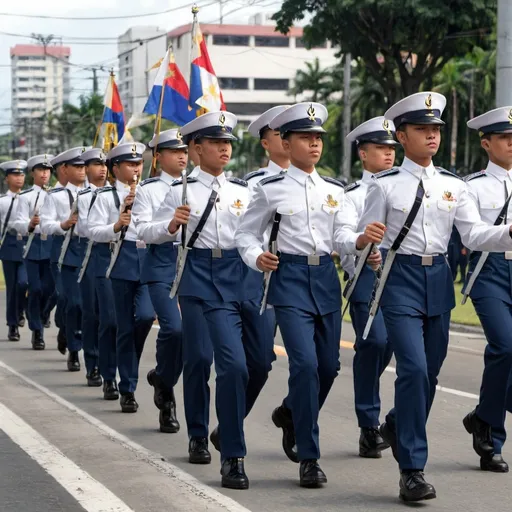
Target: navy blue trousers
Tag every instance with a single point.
(370, 360)
(73, 311)
(496, 390)
(16, 284)
(312, 342)
(169, 357)
(106, 327)
(40, 289)
(420, 344)
(90, 320)
(57, 299)
(243, 348)
(134, 318)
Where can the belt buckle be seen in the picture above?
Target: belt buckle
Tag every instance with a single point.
(427, 260)
(44, 236)
(508, 255)
(313, 260)
(217, 253)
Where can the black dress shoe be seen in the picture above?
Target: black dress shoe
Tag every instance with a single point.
(413, 486)
(389, 437)
(14, 334)
(311, 474)
(62, 342)
(496, 464)
(282, 418)
(128, 402)
(169, 424)
(371, 443)
(481, 432)
(233, 474)
(37, 340)
(94, 379)
(161, 394)
(73, 362)
(110, 391)
(215, 438)
(21, 321)
(198, 452)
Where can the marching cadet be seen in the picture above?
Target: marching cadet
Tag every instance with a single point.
(376, 148)
(58, 219)
(304, 287)
(278, 158)
(110, 222)
(36, 251)
(15, 273)
(216, 283)
(58, 299)
(489, 286)
(158, 273)
(96, 171)
(410, 211)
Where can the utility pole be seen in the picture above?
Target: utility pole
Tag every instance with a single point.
(221, 4)
(504, 57)
(347, 115)
(94, 80)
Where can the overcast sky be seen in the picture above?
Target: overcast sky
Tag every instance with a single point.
(105, 54)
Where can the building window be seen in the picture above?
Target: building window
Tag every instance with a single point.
(271, 84)
(299, 43)
(222, 40)
(21, 79)
(233, 83)
(275, 41)
(178, 42)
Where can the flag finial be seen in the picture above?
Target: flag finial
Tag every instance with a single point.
(195, 9)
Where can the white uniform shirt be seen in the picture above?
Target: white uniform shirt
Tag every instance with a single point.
(490, 191)
(148, 200)
(219, 230)
(194, 172)
(84, 204)
(5, 204)
(310, 209)
(57, 209)
(446, 202)
(271, 170)
(104, 214)
(26, 209)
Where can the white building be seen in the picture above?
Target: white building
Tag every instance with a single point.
(255, 64)
(139, 48)
(40, 82)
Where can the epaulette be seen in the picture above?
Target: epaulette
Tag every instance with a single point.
(104, 189)
(475, 175)
(334, 181)
(448, 173)
(53, 190)
(180, 181)
(238, 181)
(253, 174)
(26, 191)
(352, 186)
(149, 180)
(85, 191)
(389, 172)
(271, 179)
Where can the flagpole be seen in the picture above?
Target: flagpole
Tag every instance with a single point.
(158, 122)
(104, 108)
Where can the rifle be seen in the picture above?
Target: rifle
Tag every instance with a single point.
(69, 235)
(33, 232)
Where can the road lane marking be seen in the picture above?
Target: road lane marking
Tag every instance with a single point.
(184, 480)
(90, 494)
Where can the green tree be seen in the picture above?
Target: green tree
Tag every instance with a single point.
(314, 80)
(403, 43)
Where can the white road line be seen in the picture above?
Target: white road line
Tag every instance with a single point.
(184, 480)
(90, 494)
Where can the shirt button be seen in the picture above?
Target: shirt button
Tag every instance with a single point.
(427, 224)
(428, 205)
(312, 207)
(220, 207)
(430, 242)
(312, 227)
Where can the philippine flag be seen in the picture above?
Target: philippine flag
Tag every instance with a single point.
(113, 114)
(171, 91)
(205, 93)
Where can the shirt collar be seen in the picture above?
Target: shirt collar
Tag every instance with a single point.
(120, 186)
(207, 179)
(498, 172)
(10, 193)
(273, 167)
(417, 170)
(367, 177)
(92, 187)
(59, 185)
(301, 177)
(167, 178)
(73, 188)
(37, 188)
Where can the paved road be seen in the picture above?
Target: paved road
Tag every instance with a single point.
(64, 448)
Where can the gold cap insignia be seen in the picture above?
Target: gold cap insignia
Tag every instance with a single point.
(510, 116)
(102, 156)
(84, 150)
(386, 127)
(179, 137)
(222, 120)
(134, 150)
(428, 101)
(45, 160)
(311, 113)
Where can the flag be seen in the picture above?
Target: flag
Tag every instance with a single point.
(135, 121)
(170, 83)
(112, 123)
(205, 93)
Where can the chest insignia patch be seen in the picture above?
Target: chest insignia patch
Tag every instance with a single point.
(448, 196)
(238, 204)
(331, 202)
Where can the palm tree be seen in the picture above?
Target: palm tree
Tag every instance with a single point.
(312, 80)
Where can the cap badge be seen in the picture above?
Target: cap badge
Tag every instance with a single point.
(179, 137)
(134, 150)
(331, 202)
(510, 116)
(222, 122)
(311, 113)
(428, 101)
(83, 150)
(45, 159)
(101, 156)
(448, 196)
(386, 127)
